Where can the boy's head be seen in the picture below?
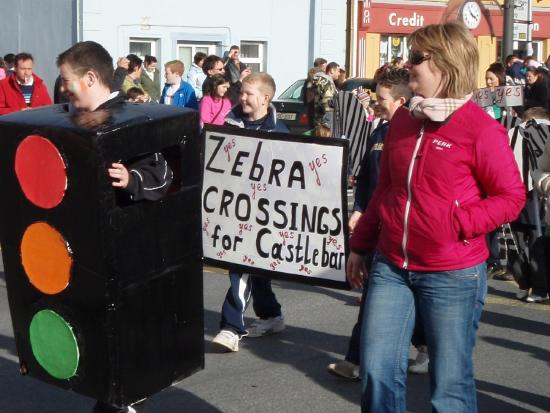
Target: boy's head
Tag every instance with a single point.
(257, 91)
(86, 74)
(392, 91)
(134, 64)
(173, 71)
(320, 63)
(333, 70)
(536, 112)
(135, 94)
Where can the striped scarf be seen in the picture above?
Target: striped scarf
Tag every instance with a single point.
(435, 109)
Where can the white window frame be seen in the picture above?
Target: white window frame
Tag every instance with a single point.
(211, 50)
(261, 59)
(152, 42)
(211, 47)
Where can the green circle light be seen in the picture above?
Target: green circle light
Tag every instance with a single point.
(54, 345)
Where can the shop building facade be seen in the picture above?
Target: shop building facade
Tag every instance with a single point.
(382, 28)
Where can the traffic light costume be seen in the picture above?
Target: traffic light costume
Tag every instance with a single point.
(105, 290)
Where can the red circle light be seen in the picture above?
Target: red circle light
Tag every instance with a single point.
(41, 171)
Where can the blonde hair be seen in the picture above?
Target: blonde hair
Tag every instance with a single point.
(454, 52)
(265, 82)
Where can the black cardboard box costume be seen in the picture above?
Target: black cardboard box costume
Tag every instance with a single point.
(118, 284)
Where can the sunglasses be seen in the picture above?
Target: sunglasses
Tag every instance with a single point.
(416, 57)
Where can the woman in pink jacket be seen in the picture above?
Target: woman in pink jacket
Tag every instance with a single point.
(215, 105)
(447, 178)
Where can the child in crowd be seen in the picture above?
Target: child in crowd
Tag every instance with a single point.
(216, 105)
(137, 95)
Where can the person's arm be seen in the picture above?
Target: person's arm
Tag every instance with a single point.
(192, 79)
(205, 109)
(541, 176)
(496, 171)
(148, 178)
(3, 104)
(191, 98)
(118, 79)
(328, 93)
(41, 97)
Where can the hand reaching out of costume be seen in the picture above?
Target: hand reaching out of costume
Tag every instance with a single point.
(356, 270)
(119, 174)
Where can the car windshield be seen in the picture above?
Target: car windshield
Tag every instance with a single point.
(294, 91)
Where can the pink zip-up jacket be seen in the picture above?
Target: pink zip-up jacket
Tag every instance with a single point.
(442, 187)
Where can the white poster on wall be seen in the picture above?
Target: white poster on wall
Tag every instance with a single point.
(275, 205)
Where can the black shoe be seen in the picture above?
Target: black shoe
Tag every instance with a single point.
(504, 276)
(498, 272)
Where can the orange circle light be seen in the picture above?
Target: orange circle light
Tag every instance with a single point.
(46, 257)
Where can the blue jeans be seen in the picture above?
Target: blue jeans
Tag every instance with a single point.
(450, 305)
(243, 286)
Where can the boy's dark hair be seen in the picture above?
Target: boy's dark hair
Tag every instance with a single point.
(215, 81)
(319, 62)
(149, 59)
(198, 57)
(210, 62)
(509, 58)
(21, 57)
(9, 59)
(134, 63)
(134, 92)
(331, 66)
(89, 56)
(234, 47)
(397, 80)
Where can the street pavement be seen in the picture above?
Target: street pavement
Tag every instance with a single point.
(286, 373)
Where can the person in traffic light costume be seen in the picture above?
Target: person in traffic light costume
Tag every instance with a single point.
(104, 277)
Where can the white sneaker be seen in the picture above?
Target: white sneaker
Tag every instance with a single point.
(535, 298)
(421, 363)
(228, 340)
(261, 327)
(522, 294)
(344, 369)
(131, 410)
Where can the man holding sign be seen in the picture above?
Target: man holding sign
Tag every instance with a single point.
(254, 111)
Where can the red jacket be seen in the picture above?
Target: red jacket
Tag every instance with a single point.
(11, 98)
(464, 183)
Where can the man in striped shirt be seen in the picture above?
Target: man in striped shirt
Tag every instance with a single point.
(24, 90)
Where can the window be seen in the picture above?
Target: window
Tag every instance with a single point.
(186, 52)
(520, 49)
(392, 47)
(253, 54)
(142, 47)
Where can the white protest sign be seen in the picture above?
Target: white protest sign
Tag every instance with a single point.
(275, 204)
(506, 96)
(483, 97)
